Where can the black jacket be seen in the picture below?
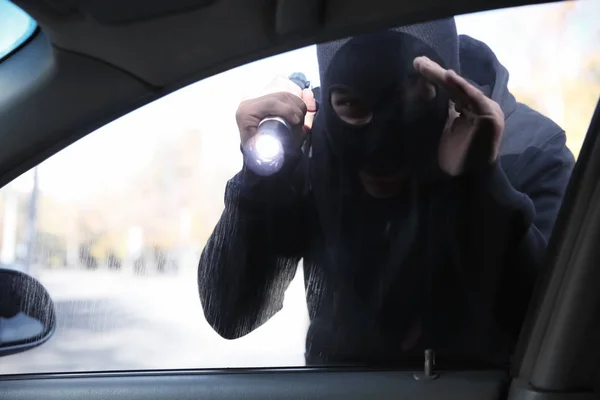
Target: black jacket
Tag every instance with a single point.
(479, 248)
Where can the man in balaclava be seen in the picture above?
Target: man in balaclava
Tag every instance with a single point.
(420, 211)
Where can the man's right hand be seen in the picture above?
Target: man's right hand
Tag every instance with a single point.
(281, 98)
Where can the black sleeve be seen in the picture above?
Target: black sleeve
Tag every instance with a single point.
(252, 254)
(538, 182)
(513, 212)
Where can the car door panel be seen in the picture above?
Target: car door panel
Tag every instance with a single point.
(256, 384)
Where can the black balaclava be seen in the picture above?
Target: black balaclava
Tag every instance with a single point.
(378, 68)
(372, 243)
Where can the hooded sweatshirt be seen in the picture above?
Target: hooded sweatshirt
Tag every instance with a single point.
(450, 268)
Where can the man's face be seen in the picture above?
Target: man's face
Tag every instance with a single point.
(384, 118)
(383, 177)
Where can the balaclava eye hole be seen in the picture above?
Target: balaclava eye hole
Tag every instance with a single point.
(352, 109)
(349, 107)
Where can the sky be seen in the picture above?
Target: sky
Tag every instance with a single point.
(111, 156)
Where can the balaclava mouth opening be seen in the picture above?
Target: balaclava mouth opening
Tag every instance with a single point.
(378, 69)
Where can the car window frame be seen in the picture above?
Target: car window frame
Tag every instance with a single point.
(22, 44)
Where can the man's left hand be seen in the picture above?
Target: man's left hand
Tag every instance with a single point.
(471, 138)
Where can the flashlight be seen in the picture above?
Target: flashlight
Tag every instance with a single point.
(265, 152)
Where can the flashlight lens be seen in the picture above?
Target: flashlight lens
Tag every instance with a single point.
(268, 148)
(265, 154)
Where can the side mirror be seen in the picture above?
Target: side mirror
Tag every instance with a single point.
(27, 315)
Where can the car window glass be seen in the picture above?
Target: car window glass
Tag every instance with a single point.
(15, 27)
(115, 225)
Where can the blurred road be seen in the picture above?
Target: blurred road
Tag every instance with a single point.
(118, 321)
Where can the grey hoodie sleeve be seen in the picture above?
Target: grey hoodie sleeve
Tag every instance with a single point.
(252, 255)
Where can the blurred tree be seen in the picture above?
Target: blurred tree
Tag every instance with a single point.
(581, 95)
(568, 97)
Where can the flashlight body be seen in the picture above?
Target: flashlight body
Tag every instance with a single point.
(265, 152)
(274, 126)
